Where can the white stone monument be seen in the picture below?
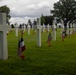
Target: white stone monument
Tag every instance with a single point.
(39, 27)
(16, 28)
(24, 28)
(62, 26)
(54, 30)
(48, 28)
(9, 29)
(73, 27)
(28, 29)
(3, 37)
(43, 27)
(68, 28)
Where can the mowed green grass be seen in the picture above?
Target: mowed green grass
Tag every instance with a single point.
(59, 59)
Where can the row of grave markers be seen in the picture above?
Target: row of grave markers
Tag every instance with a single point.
(3, 36)
(69, 30)
(4, 28)
(29, 28)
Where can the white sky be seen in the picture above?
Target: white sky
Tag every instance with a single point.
(22, 10)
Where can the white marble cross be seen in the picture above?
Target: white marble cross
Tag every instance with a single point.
(74, 27)
(62, 26)
(48, 28)
(24, 28)
(9, 28)
(39, 27)
(28, 29)
(3, 37)
(43, 27)
(16, 29)
(68, 28)
(54, 30)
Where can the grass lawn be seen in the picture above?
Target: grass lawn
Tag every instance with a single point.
(59, 59)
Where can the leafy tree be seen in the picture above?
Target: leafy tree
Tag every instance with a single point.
(20, 26)
(48, 20)
(29, 21)
(34, 22)
(6, 10)
(12, 26)
(65, 9)
(42, 19)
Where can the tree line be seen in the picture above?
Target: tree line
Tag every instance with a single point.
(63, 9)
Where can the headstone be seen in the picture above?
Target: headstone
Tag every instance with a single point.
(54, 30)
(16, 28)
(48, 28)
(28, 29)
(73, 27)
(3, 37)
(9, 29)
(68, 28)
(24, 28)
(62, 26)
(39, 27)
(43, 27)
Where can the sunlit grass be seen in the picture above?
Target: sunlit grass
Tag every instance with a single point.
(59, 59)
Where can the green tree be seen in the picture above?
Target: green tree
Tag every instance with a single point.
(42, 19)
(6, 10)
(12, 26)
(65, 9)
(48, 20)
(29, 21)
(34, 22)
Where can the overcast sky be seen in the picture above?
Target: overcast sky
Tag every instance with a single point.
(22, 10)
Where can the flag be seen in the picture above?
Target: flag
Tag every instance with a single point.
(49, 39)
(21, 47)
